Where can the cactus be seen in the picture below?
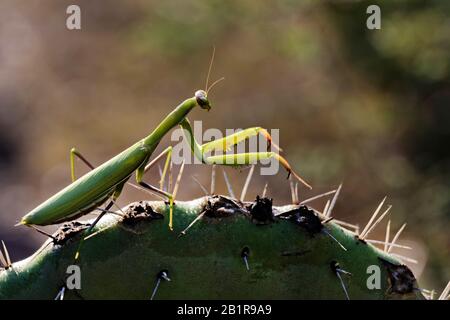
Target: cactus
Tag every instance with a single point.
(221, 248)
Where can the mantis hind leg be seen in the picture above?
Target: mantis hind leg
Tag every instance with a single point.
(114, 197)
(74, 153)
(97, 219)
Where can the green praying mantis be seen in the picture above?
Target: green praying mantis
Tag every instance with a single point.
(106, 181)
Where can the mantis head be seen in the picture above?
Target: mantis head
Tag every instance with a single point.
(202, 99)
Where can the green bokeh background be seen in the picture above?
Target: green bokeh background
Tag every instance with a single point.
(369, 108)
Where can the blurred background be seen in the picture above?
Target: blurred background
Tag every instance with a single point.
(369, 108)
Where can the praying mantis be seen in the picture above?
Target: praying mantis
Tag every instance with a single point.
(106, 181)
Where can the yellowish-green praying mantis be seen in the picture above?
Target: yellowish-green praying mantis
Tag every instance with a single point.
(106, 181)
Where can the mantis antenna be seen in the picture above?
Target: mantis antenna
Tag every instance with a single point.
(209, 69)
(209, 73)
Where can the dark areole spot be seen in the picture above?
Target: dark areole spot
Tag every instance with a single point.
(140, 211)
(221, 206)
(245, 253)
(68, 231)
(401, 278)
(307, 219)
(261, 210)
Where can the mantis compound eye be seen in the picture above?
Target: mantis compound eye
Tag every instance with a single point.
(202, 99)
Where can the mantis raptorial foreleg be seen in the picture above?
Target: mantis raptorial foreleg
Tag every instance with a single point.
(224, 144)
(227, 142)
(252, 158)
